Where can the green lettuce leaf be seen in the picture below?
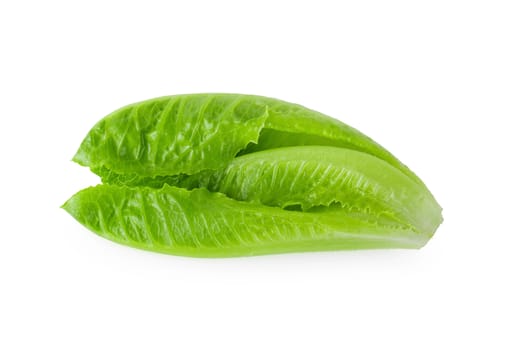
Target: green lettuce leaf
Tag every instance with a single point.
(311, 176)
(188, 133)
(204, 224)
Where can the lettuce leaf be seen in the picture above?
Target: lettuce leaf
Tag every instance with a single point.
(204, 224)
(188, 133)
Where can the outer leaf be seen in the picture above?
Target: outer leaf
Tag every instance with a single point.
(311, 176)
(199, 223)
(188, 133)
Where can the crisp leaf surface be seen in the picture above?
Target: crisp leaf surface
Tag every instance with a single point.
(311, 176)
(173, 135)
(185, 134)
(199, 223)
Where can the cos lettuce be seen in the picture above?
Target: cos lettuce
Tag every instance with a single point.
(232, 175)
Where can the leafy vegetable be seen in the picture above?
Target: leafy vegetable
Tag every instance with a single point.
(312, 176)
(200, 223)
(230, 175)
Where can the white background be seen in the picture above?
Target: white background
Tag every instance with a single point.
(441, 84)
